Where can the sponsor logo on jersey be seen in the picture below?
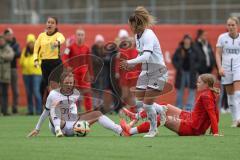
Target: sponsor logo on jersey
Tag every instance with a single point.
(232, 50)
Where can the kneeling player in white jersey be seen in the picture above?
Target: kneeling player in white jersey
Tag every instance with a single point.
(153, 77)
(228, 58)
(61, 105)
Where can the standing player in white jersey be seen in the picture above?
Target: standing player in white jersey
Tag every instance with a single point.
(61, 105)
(152, 79)
(228, 58)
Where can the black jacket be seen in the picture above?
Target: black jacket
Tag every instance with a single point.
(202, 58)
(17, 52)
(193, 66)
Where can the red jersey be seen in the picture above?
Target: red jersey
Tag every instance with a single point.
(126, 77)
(83, 60)
(205, 113)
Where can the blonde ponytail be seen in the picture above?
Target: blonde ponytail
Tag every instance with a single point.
(141, 19)
(215, 90)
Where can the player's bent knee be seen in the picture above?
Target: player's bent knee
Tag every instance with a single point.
(97, 113)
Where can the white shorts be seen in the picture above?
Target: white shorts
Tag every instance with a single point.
(67, 128)
(230, 77)
(155, 80)
(231, 68)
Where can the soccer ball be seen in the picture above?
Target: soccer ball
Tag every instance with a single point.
(81, 128)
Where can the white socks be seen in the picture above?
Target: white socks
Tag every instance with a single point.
(56, 122)
(152, 116)
(133, 131)
(237, 102)
(232, 106)
(109, 124)
(158, 108)
(55, 113)
(139, 105)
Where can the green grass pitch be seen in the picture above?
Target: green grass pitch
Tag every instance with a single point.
(102, 144)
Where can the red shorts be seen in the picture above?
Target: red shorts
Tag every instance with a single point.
(185, 115)
(185, 128)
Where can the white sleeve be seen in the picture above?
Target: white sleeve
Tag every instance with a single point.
(140, 59)
(45, 113)
(42, 118)
(220, 42)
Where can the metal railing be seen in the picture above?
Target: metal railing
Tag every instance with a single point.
(93, 11)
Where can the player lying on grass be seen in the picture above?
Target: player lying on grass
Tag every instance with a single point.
(61, 105)
(204, 115)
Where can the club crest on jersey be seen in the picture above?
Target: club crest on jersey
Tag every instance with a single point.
(140, 52)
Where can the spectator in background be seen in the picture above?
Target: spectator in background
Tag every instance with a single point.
(6, 56)
(206, 55)
(32, 77)
(127, 79)
(207, 63)
(47, 51)
(102, 82)
(11, 40)
(81, 65)
(106, 52)
(186, 62)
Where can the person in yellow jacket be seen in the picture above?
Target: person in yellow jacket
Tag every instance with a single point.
(32, 77)
(47, 50)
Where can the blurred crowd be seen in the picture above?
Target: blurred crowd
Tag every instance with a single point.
(105, 85)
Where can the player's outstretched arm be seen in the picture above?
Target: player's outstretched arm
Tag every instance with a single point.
(42, 118)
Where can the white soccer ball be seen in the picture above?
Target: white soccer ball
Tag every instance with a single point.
(81, 128)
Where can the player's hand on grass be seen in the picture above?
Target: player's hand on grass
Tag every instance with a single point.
(217, 135)
(33, 133)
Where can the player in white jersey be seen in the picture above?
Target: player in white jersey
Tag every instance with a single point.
(228, 58)
(152, 79)
(61, 105)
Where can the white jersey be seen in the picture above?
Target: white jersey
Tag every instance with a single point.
(230, 51)
(66, 103)
(148, 42)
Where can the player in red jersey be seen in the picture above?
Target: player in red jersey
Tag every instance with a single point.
(127, 79)
(81, 65)
(204, 115)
